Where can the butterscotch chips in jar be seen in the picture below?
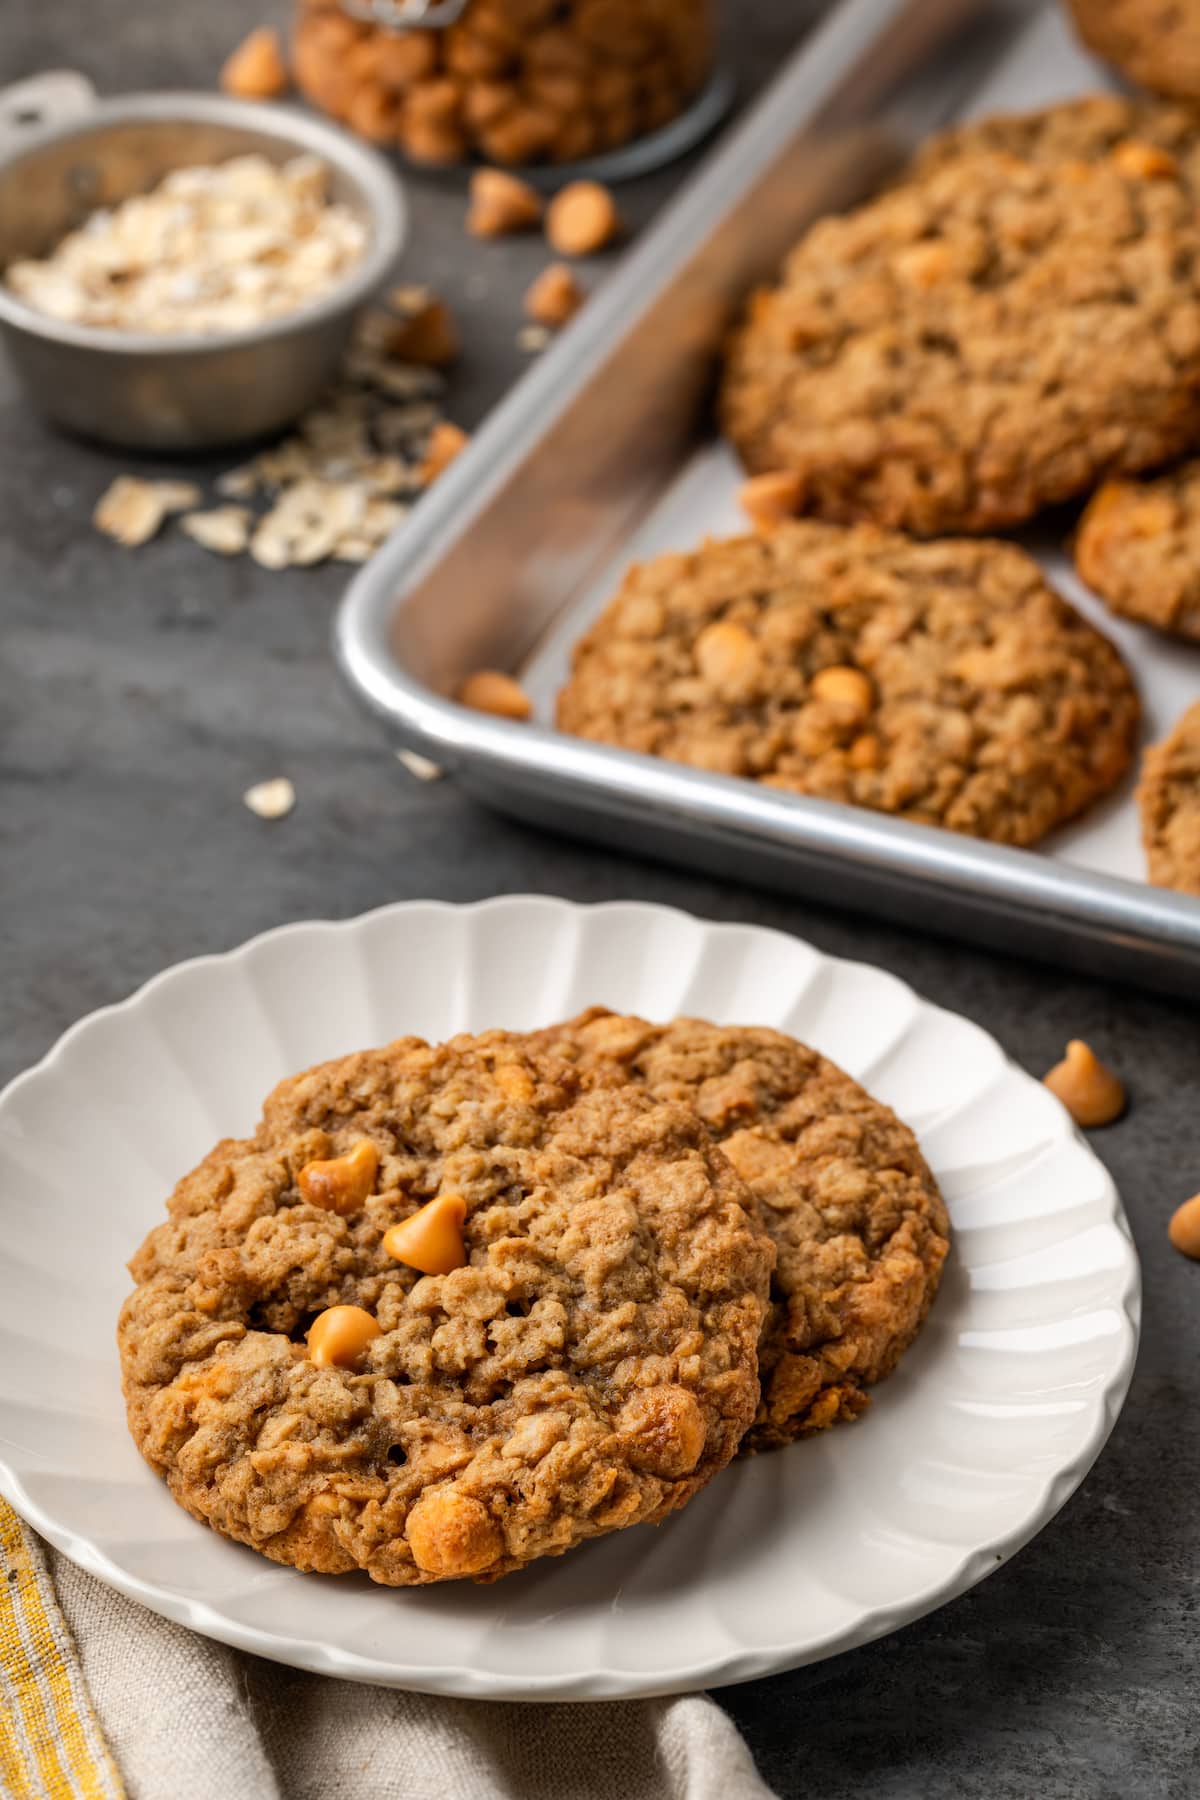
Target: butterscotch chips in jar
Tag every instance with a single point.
(512, 81)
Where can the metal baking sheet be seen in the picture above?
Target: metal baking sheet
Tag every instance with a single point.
(605, 453)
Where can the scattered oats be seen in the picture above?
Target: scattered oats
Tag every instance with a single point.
(226, 529)
(354, 549)
(177, 496)
(420, 766)
(306, 522)
(211, 249)
(240, 483)
(533, 338)
(271, 799)
(132, 510)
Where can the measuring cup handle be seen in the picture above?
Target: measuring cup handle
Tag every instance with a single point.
(47, 99)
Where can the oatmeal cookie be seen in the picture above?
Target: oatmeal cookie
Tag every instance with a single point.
(1154, 42)
(992, 336)
(590, 1365)
(860, 1226)
(1138, 547)
(1089, 129)
(1169, 799)
(944, 682)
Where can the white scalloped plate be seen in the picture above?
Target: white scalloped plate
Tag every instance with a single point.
(991, 1421)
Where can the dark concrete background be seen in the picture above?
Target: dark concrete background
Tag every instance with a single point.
(140, 692)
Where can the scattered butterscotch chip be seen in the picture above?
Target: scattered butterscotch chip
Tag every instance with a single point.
(271, 799)
(432, 1239)
(581, 219)
(338, 1336)
(501, 203)
(131, 510)
(224, 529)
(426, 336)
(1088, 1089)
(1184, 1229)
(256, 69)
(491, 691)
(843, 686)
(766, 499)
(554, 297)
(341, 1184)
(446, 441)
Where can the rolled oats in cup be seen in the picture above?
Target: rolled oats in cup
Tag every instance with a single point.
(509, 81)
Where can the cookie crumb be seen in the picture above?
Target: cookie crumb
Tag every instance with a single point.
(501, 204)
(270, 799)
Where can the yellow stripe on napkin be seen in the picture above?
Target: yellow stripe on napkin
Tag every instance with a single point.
(51, 1746)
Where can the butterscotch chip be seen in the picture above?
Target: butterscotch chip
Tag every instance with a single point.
(858, 1222)
(374, 112)
(589, 1365)
(1088, 1089)
(930, 360)
(446, 441)
(1138, 547)
(766, 499)
(554, 296)
(256, 69)
(432, 141)
(581, 219)
(994, 708)
(1169, 802)
(491, 691)
(520, 135)
(404, 58)
(501, 203)
(426, 335)
(1184, 1228)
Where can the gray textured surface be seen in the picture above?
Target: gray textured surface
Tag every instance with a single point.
(141, 692)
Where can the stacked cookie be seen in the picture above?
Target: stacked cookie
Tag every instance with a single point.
(455, 1308)
(1015, 322)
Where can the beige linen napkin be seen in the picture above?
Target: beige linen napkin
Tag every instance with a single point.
(186, 1719)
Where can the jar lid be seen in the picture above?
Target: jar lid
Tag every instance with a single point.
(406, 15)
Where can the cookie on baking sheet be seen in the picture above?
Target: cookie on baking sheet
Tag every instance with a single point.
(1151, 137)
(1154, 42)
(854, 1210)
(944, 682)
(1138, 547)
(1169, 799)
(590, 1365)
(991, 336)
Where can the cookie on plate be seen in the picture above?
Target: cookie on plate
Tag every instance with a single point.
(589, 1365)
(944, 682)
(1169, 799)
(1154, 42)
(990, 337)
(1138, 547)
(844, 1190)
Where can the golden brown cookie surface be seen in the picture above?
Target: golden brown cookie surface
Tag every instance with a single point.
(1169, 798)
(859, 1224)
(1138, 547)
(944, 682)
(990, 337)
(1154, 42)
(590, 1365)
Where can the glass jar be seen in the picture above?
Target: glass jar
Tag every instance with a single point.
(515, 82)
